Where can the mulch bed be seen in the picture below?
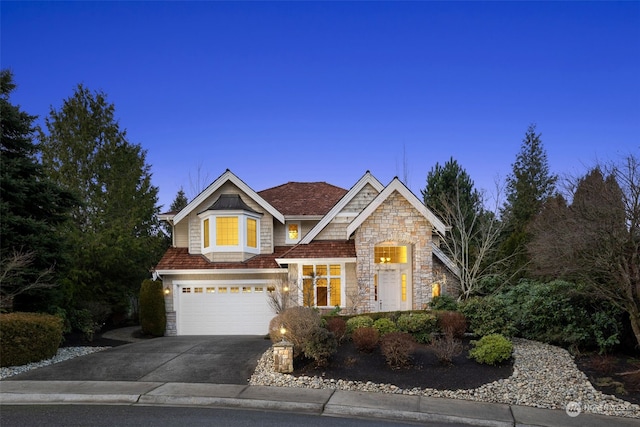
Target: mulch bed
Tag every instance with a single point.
(604, 373)
(426, 371)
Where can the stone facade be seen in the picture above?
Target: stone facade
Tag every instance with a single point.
(397, 221)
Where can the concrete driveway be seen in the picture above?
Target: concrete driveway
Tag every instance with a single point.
(185, 359)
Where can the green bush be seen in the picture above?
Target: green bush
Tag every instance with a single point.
(28, 337)
(560, 313)
(359, 322)
(488, 315)
(444, 302)
(153, 317)
(491, 349)
(419, 325)
(321, 345)
(385, 326)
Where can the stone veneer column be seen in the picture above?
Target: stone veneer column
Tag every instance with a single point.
(283, 357)
(397, 220)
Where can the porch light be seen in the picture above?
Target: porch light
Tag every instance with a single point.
(167, 291)
(285, 289)
(283, 331)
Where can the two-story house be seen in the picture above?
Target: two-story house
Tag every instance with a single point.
(366, 249)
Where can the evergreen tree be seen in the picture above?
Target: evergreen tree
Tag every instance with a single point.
(529, 185)
(180, 202)
(115, 231)
(33, 209)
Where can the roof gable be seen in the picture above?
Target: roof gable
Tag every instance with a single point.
(303, 198)
(367, 178)
(397, 185)
(228, 176)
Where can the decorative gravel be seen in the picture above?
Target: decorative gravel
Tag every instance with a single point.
(63, 354)
(544, 376)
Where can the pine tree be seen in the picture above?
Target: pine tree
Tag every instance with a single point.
(33, 209)
(529, 185)
(116, 234)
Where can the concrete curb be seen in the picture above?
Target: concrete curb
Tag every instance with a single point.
(326, 402)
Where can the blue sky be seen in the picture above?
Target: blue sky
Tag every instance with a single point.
(323, 91)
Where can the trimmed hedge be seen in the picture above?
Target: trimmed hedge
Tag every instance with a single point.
(419, 325)
(491, 349)
(153, 316)
(28, 337)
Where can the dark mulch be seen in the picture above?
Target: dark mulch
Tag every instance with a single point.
(77, 339)
(604, 372)
(426, 371)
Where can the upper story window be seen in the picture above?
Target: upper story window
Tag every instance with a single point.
(293, 231)
(229, 225)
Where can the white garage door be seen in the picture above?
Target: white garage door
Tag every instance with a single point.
(223, 310)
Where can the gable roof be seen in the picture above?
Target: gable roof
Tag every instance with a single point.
(303, 198)
(228, 176)
(367, 178)
(397, 185)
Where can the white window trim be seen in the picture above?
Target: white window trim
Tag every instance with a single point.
(242, 232)
(286, 232)
(343, 285)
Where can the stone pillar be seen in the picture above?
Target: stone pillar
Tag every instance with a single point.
(283, 357)
(171, 329)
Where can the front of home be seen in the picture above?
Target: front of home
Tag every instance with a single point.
(237, 253)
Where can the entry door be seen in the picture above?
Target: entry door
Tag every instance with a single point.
(389, 289)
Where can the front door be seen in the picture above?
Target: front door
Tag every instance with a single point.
(389, 290)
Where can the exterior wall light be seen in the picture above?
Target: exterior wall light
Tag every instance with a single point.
(167, 291)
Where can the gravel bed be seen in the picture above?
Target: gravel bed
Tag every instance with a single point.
(63, 354)
(544, 376)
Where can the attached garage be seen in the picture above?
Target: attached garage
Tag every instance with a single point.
(223, 309)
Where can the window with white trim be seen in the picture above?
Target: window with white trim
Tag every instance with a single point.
(225, 232)
(322, 285)
(293, 232)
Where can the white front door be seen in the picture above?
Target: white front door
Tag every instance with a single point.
(389, 290)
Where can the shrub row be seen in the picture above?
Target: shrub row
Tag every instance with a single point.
(28, 337)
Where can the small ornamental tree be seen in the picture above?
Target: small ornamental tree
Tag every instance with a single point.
(153, 318)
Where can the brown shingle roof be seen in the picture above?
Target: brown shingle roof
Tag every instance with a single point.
(323, 249)
(180, 259)
(303, 198)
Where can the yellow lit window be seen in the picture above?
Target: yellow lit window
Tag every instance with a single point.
(211, 290)
(246, 289)
(205, 226)
(321, 270)
(404, 287)
(435, 290)
(252, 233)
(390, 254)
(293, 231)
(197, 290)
(235, 289)
(222, 289)
(307, 270)
(307, 292)
(227, 231)
(335, 291)
(334, 269)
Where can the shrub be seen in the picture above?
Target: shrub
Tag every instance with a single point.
(337, 326)
(321, 345)
(397, 348)
(443, 302)
(419, 325)
(452, 323)
(385, 326)
(560, 313)
(28, 337)
(153, 316)
(491, 349)
(487, 315)
(446, 348)
(358, 322)
(300, 323)
(365, 338)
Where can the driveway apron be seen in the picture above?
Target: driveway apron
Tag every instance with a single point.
(188, 359)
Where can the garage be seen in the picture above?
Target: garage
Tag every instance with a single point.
(223, 309)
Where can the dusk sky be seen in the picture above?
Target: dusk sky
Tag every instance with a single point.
(323, 91)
